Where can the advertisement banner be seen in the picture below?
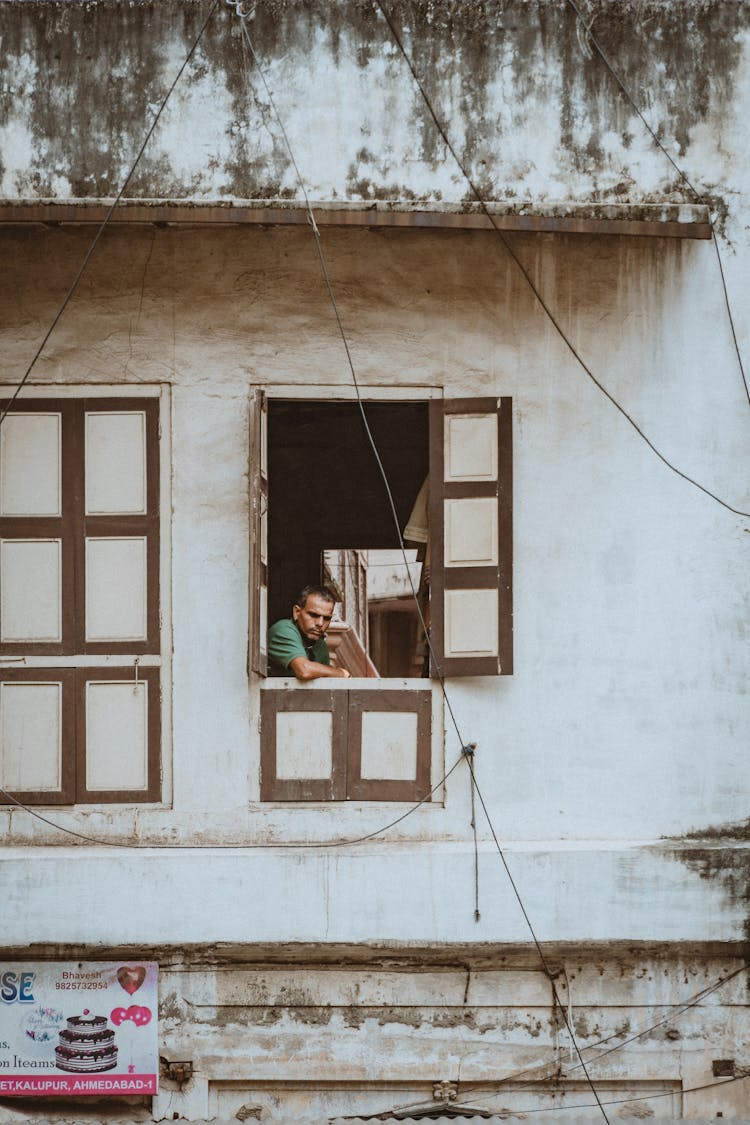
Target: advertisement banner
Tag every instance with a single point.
(84, 1027)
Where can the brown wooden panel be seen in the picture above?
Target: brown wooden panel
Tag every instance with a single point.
(472, 666)
(468, 405)
(66, 677)
(366, 789)
(121, 525)
(437, 532)
(59, 527)
(152, 792)
(31, 527)
(275, 701)
(114, 527)
(468, 490)
(500, 576)
(505, 534)
(258, 578)
(469, 578)
(73, 526)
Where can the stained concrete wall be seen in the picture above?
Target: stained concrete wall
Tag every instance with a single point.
(372, 1037)
(528, 103)
(625, 719)
(614, 760)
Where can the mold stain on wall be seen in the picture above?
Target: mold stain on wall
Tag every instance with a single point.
(516, 84)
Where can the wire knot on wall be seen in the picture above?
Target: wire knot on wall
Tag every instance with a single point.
(243, 12)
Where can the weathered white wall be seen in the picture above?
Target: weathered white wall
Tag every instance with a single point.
(368, 1038)
(626, 718)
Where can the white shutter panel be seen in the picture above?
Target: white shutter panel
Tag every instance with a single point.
(258, 599)
(37, 729)
(471, 493)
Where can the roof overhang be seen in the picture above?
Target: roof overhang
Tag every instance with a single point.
(663, 220)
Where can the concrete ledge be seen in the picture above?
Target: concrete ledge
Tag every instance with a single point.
(664, 220)
(395, 895)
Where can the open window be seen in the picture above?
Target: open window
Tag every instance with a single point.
(320, 512)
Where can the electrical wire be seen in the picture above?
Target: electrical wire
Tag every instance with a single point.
(558, 328)
(324, 267)
(464, 754)
(673, 1013)
(344, 843)
(612, 1101)
(680, 172)
(467, 750)
(530, 281)
(237, 5)
(537, 945)
(482, 1093)
(435, 664)
(105, 221)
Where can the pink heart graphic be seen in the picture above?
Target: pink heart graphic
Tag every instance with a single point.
(139, 1015)
(131, 979)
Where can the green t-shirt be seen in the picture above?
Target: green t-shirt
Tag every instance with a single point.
(286, 643)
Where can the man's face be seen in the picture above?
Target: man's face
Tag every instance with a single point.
(314, 617)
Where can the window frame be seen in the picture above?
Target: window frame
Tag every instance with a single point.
(418, 695)
(346, 706)
(73, 662)
(497, 576)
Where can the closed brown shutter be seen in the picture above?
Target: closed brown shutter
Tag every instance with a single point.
(79, 579)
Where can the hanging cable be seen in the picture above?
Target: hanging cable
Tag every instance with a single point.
(530, 281)
(243, 14)
(469, 753)
(344, 843)
(435, 664)
(587, 26)
(105, 221)
(537, 945)
(533, 1071)
(509, 1110)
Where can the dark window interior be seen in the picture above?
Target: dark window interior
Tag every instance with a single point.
(325, 488)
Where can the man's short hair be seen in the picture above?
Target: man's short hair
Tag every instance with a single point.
(324, 592)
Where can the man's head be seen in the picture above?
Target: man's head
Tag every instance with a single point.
(312, 611)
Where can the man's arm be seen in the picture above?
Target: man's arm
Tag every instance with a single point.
(305, 669)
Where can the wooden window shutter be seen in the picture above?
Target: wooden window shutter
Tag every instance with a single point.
(471, 548)
(117, 540)
(79, 579)
(336, 744)
(258, 476)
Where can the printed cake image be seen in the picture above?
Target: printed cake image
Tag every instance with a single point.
(86, 1046)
